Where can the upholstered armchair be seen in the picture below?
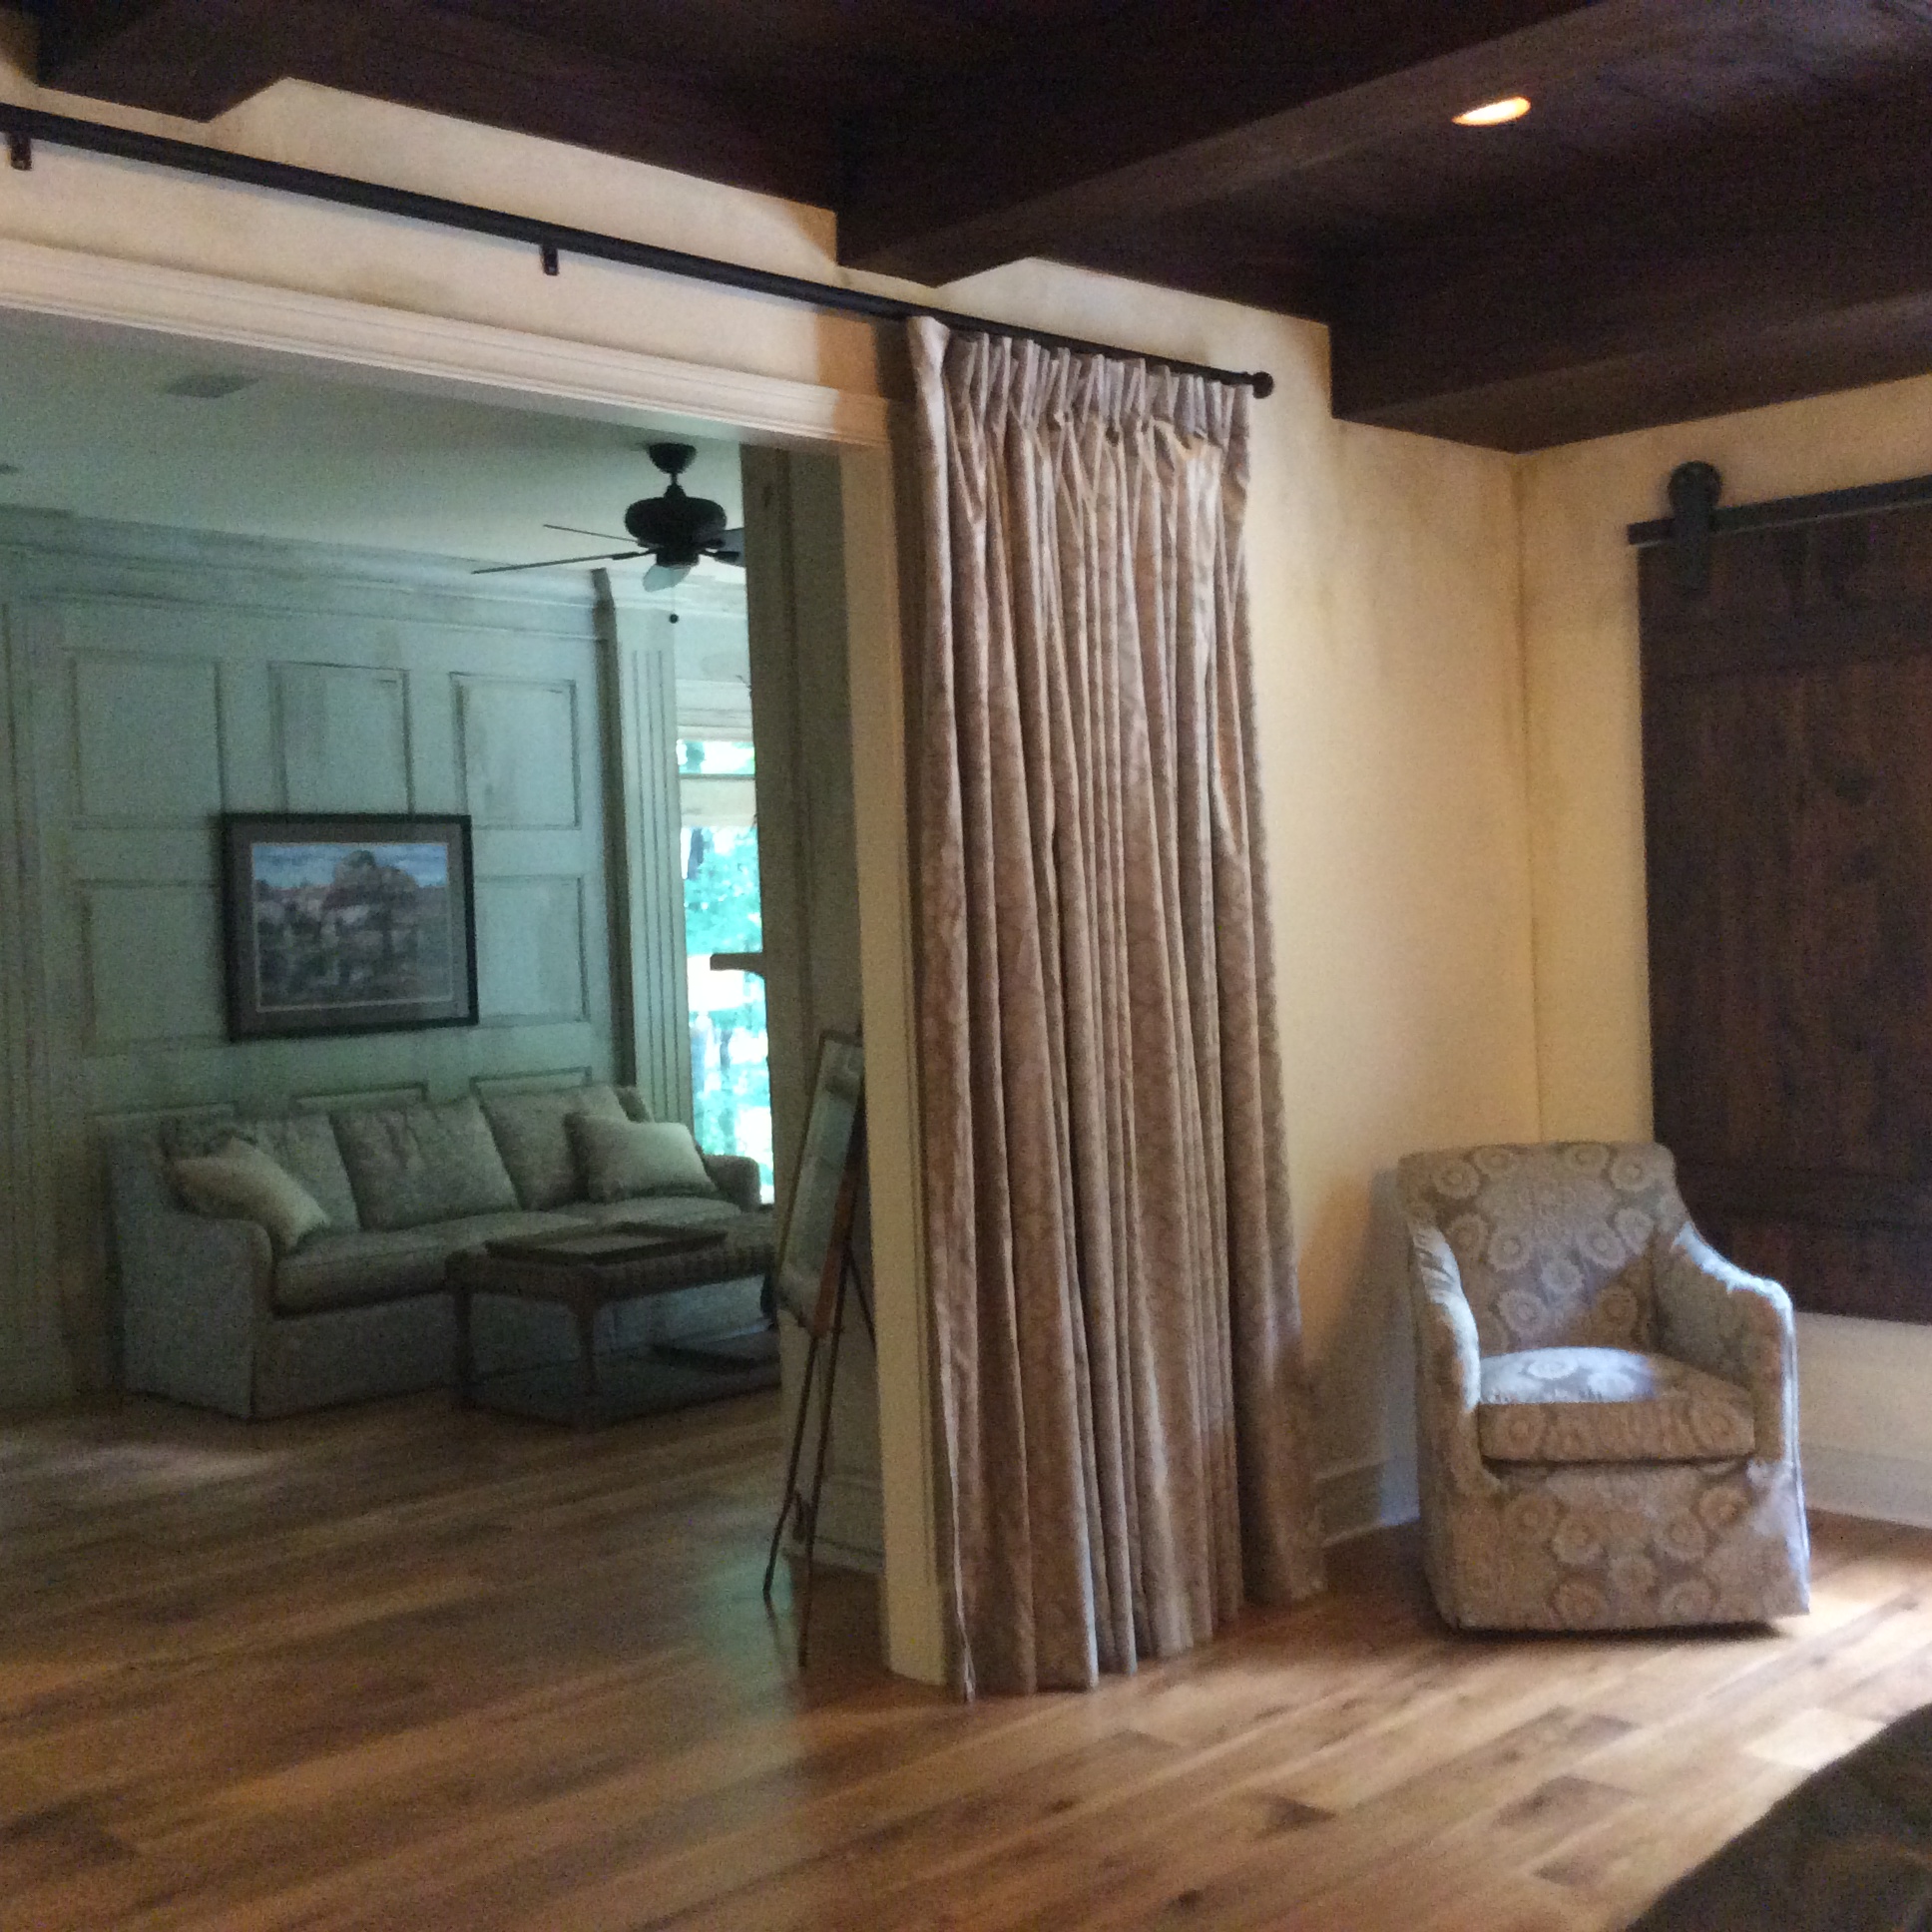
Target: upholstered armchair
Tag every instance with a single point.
(1606, 1409)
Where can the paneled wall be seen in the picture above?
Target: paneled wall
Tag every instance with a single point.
(157, 679)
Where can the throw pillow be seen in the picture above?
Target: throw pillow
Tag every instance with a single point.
(299, 1143)
(241, 1182)
(622, 1159)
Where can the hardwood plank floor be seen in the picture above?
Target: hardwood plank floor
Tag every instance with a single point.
(399, 1668)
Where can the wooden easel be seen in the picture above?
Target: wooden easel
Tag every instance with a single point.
(840, 1278)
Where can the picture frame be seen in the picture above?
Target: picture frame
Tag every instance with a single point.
(346, 922)
(823, 1198)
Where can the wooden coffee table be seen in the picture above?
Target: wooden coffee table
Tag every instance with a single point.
(590, 1268)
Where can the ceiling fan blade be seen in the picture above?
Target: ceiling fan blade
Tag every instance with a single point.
(662, 577)
(551, 563)
(730, 547)
(578, 530)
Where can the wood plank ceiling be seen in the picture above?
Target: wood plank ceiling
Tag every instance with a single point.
(1714, 203)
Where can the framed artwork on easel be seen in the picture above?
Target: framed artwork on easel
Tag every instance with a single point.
(825, 1188)
(814, 1273)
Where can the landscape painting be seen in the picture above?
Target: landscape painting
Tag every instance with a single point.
(347, 924)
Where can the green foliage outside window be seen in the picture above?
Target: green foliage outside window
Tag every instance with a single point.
(731, 1076)
(721, 891)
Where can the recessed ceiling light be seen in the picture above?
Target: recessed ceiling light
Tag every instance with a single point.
(207, 385)
(1493, 113)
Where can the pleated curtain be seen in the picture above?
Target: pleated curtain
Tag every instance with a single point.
(1125, 1421)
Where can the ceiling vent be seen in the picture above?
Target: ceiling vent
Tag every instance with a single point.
(207, 385)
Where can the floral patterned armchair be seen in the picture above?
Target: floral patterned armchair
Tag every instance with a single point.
(1606, 1409)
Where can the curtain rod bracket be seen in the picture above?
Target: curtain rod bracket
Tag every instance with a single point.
(20, 149)
(551, 265)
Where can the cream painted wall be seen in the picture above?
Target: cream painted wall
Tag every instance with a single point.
(1386, 587)
(1866, 1425)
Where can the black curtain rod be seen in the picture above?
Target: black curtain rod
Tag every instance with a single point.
(24, 126)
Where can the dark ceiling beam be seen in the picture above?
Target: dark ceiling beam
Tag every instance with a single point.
(198, 58)
(451, 60)
(1175, 107)
(1745, 365)
(192, 58)
(1781, 260)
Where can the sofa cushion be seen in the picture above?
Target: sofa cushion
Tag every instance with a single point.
(638, 1157)
(302, 1144)
(238, 1181)
(351, 1270)
(531, 1137)
(635, 1105)
(411, 1165)
(1608, 1405)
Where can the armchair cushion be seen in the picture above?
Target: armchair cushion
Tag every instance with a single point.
(1548, 1406)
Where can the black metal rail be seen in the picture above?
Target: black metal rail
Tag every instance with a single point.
(1784, 511)
(552, 240)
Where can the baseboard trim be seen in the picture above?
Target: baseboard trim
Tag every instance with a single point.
(1357, 1496)
(1853, 1482)
(850, 1524)
(36, 1378)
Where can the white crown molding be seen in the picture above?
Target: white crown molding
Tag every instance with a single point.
(102, 551)
(451, 356)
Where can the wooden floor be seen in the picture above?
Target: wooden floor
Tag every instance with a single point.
(401, 1668)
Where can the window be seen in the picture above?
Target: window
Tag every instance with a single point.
(731, 1074)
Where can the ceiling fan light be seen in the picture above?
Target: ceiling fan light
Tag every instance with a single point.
(1495, 113)
(666, 577)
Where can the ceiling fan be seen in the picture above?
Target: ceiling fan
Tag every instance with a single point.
(672, 530)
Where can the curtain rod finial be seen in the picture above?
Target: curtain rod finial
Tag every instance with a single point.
(1263, 384)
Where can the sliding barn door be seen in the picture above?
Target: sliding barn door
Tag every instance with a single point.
(1787, 767)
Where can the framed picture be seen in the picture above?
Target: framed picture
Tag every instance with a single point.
(824, 1187)
(347, 923)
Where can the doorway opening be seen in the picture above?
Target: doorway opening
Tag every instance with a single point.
(53, 1260)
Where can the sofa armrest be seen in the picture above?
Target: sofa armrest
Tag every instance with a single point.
(1735, 1325)
(1448, 1361)
(737, 1178)
(193, 1292)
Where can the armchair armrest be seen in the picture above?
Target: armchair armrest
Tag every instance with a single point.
(1448, 1360)
(1731, 1324)
(737, 1178)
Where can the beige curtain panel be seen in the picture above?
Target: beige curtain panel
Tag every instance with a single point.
(1127, 1424)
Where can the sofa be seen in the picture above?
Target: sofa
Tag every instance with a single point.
(213, 1315)
(1606, 1409)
